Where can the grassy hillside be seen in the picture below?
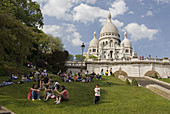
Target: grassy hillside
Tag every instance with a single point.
(6, 68)
(116, 98)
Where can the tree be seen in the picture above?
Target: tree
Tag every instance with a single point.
(93, 57)
(27, 11)
(80, 57)
(57, 59)
(15, 39)
(71, 57)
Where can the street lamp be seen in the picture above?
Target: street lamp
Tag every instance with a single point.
(82, 48)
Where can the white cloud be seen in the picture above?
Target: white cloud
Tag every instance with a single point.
(118, 8)
(67, 32)
(76, 40)
(85, 13)
(138, 32)
(131, 12)
(52, 29)
(58, 8)
(149, 13)
(61, 9)
(162, 1)
(90, 1)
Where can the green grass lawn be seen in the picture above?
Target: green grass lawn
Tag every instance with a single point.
(165, 79)
(116, 98)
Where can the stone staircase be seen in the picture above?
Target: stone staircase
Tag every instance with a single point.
(4, 110)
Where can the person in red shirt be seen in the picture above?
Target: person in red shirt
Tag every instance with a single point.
(63, 96)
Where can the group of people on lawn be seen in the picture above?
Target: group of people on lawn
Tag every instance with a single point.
(51, 87)
(69, 77)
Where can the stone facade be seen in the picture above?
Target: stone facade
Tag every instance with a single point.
(109, 45)
(112, 53)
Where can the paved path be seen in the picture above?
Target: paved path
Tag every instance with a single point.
(143, 81)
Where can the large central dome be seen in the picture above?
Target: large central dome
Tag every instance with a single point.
(109, 27)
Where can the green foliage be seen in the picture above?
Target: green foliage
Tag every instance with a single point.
(27, 11)
(57, 60)
(16, 39)
(15, 68)
(71, 57)
(80, 57)
(155, 75)
(113, 74)
(93, 57)
(134, 82)
(127, 82)
(21, 40)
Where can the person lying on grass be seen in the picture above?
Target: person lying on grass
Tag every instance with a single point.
(47, 93)
(34, 93)
(63, 96)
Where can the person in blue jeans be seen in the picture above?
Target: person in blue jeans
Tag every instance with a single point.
(35, 92)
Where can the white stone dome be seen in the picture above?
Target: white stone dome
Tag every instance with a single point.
(109, 27)
(94, 41)
(126, 42)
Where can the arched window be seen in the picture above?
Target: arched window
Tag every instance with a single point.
(127, 51)
(111, 43)
(94, 50)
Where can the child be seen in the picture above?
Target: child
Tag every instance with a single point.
(97, 94)
(47, 93)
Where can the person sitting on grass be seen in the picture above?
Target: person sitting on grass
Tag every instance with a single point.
(75, 77)
(98, 77)
(56, 85)
(63, 96)
(34, 93)
(45, 81)
(97, 94)
(47, 93)
(89, 79)
(50, 81)
(79, 78)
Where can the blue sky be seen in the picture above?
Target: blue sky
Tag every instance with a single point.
(147, 23)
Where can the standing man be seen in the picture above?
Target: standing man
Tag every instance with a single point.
(97, 94)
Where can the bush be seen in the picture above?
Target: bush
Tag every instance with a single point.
(127, 82)
(155, 75)
(134, 82)
(113, 74)
(93, 57)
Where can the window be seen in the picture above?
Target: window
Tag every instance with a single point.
(94, 50)
(127, 51)
(106, 42)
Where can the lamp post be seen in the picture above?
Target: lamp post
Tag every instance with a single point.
(82, 48)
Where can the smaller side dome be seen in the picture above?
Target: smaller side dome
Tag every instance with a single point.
(126, 42)
(94, 41)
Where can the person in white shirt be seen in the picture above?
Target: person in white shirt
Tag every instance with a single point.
(97, 94)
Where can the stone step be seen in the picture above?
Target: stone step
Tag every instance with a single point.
(5, 112)
(160, 90)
